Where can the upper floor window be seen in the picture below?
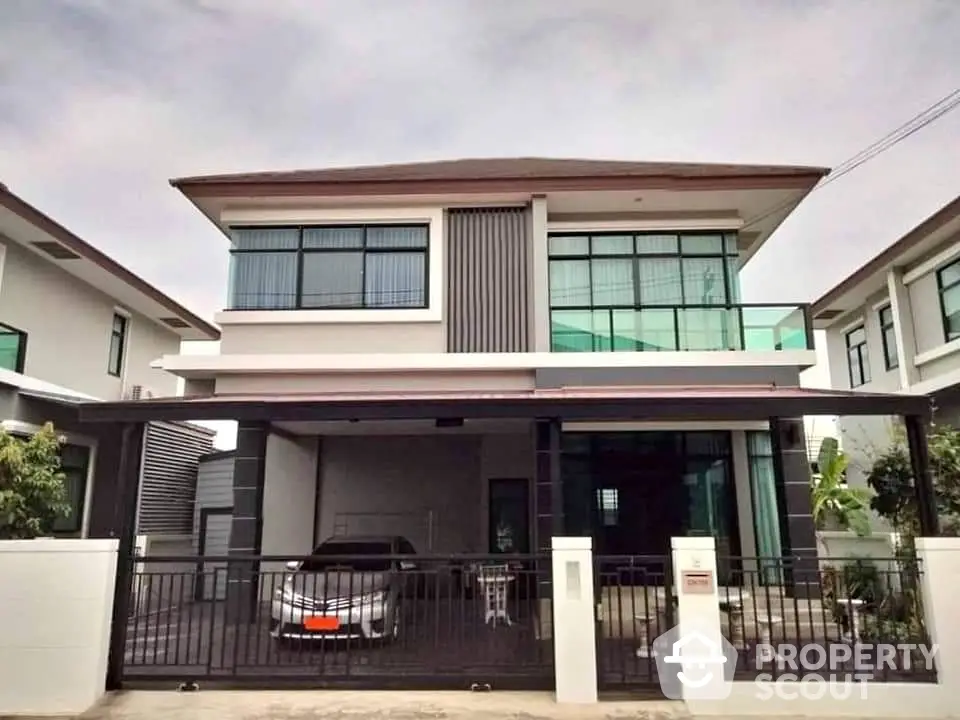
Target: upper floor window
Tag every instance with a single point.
(13, 348)
(620, 291)
(948, 281)
(857, 358)
(118, 344)
(329, 267)
(890, 358)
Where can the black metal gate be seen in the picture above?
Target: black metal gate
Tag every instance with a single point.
(424, 622)
(634, 606)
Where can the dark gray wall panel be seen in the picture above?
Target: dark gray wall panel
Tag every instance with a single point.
(487, 280)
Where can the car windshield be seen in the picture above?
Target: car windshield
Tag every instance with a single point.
(349, 556)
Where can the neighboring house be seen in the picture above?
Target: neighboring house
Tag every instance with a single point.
(76, 326)
(893, 326)
(466, 351)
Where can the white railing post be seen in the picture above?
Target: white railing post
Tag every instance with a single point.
(574, 620)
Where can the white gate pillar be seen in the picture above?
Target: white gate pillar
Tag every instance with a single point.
(574, 620)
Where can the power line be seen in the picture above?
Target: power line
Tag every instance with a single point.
(919, 121)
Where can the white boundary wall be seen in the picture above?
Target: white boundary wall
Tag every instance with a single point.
(940, 561)
(56, 602)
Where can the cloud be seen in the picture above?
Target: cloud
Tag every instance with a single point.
(102, 101)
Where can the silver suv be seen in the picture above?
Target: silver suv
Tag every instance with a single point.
(343, 590)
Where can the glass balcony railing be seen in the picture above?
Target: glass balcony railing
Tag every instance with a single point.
(13, 348)
(680, 328)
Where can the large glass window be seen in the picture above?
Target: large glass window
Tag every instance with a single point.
(644, 291)
(858, 360)
(948, 281)
(329, 267)
(890, 357)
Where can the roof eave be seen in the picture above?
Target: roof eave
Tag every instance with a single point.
(886, 259)
(61, 234)
(214, 187)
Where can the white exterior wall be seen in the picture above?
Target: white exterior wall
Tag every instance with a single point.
(288, 496)
(56, 602)
(68, 325)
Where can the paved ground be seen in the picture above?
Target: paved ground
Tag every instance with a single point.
(369, 705)
(365, 705)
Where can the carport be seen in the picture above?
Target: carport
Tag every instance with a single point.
(258, 416)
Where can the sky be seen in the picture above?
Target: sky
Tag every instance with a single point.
(103, 101)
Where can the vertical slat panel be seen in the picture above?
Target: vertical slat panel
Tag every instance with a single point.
(487, 276)
(169, 483)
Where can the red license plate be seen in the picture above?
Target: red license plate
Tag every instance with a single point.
(319, 623)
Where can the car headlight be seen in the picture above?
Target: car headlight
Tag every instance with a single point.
(374, 598)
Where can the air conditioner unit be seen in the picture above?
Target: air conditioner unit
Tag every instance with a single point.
(137, 392)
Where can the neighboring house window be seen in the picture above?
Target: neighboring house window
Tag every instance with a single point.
(644, 291)
(13, 348)
(948, 280)
(118, 342)
(857, 358)
(329, 267)
(890, 357)
(608, 503)
(75, 465)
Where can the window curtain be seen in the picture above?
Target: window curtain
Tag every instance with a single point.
(266, 279)
(766, 518)
(394, 279)
(263, 280)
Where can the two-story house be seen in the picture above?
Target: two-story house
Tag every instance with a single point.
(75, 326)
(483, 354)
(893, 326)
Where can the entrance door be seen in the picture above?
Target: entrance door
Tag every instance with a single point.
(509, 516)
(638, 503)
(214, 541)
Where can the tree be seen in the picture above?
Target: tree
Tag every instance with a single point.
(832, 498)
(891, 478)
(32, 491)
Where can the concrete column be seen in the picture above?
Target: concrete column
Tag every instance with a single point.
(574, 637)
(549, 495)
(246, 528)
(540, 272)
(745, 509)
(903, 328)
(922, 481)
(798, 533)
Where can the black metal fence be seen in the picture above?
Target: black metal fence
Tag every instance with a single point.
(634, 606)
(788, 618)
(841, 616)
(366, 621)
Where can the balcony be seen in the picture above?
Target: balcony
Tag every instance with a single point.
(672, 328)
(13, 348)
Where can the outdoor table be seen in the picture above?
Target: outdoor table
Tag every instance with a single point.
(494, 586)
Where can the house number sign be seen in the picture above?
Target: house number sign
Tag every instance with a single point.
(696, 582)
